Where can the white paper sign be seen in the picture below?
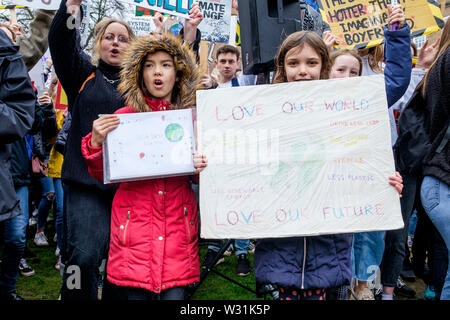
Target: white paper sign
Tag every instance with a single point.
(141, 26)
(298, 158)
(216, 23)
(178, 8)
(39, 4)
(149, 145)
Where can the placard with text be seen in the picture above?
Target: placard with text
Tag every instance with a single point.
(294, 159)
(359, 23)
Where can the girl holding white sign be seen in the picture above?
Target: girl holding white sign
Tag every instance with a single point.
(304, 267)
(154, 225)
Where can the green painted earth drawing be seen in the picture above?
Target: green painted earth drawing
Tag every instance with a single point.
(174, 132)
(306, 169)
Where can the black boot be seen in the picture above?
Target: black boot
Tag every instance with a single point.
(12, 296)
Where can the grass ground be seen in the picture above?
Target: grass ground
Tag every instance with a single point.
(45, 283)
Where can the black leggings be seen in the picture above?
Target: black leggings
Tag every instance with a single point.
(119, 293)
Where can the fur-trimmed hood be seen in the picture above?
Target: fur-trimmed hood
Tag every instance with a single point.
(185, 64)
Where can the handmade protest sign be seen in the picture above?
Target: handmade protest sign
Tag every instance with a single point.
(39, 4)
(61, 101)
(147, 145)
(216, 23)
(178, 8)
(141, 26)
(359, 23)
(298, 158)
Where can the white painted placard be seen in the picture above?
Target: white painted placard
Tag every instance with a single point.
(149, 145)
(298, 158)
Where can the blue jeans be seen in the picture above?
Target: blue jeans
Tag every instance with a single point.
(14, 230)
(367, 253)
(51, 186)
(412, 224)
(240, 246)
(435, 196)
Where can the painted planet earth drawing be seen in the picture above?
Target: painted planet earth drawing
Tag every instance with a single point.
(174, 132)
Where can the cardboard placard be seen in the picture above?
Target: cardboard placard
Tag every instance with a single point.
(148, 145)
(359, 23)
(296, 159)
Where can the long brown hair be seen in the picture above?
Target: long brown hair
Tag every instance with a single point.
(443, 45)
(342, 52)
(298, 39)
(376, 56)
(99, 32)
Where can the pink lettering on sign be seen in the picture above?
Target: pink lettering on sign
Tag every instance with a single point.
(239, 113)
(232, 218)
(352, 211)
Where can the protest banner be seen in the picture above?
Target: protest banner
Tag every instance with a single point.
(296, 159)
(11, 6)
(61, 98)
(141, 26)
(39, 4)
(148, 145)
(216, 23)
(146, 12)
(359, 23)
(178, 8)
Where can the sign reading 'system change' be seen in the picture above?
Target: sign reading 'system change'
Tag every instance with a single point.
(296, 159)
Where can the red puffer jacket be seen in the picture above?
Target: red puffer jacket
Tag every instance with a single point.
(154, 229)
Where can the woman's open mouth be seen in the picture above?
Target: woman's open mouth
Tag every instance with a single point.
(115, 52)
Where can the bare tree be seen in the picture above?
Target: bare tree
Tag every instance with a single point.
(24, 16)
(93, 12)
(97, 10)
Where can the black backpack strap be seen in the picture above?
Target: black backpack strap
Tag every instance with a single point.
(444, 140)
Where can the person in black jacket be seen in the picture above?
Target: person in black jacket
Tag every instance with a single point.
(91, 88)
(435, 188)
(17, 101)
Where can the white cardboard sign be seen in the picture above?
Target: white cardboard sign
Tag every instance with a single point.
(178, 8)
(39, 4)
(148, 145)
(216, 23)
(295, 159)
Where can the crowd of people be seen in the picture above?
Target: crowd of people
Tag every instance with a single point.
(148, 230)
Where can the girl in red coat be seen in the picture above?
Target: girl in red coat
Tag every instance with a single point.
(154, 226)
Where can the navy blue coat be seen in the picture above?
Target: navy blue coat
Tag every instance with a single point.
(304, 262)
(325, 261)
(16, 118)
(398, 60)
